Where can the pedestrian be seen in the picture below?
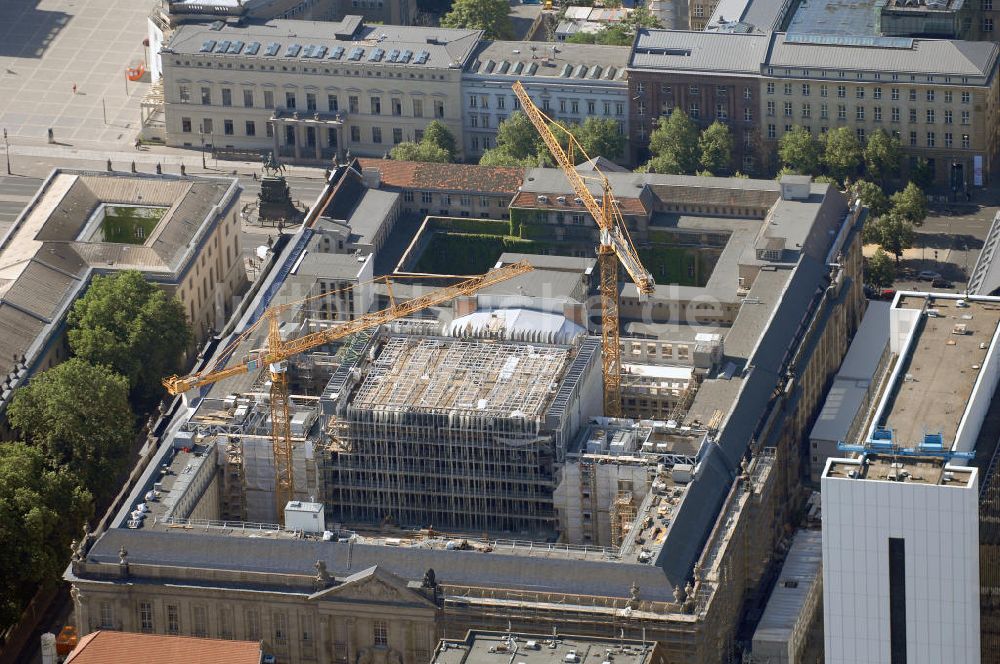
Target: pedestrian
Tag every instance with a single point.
(74, 88)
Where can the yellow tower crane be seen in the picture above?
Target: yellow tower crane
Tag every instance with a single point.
(616, 245)
(275, 356)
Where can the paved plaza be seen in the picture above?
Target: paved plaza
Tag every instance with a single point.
(47, 46)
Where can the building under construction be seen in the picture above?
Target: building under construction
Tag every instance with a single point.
(464, 478)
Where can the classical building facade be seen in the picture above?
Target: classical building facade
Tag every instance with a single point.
(310, 91)
(569, 82)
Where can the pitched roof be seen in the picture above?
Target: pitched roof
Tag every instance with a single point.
(447, 177)
(709, 52)
(127, 648)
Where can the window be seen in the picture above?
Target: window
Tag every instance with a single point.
(748, 114)
(107, 615)
(146, 617)
(310, 101)
(640, 108)
(747, 94)
(788, 109)
(227, 97)
(418, 108)
(439, 108)
(841, 112)
(721, 112)
(473, 101)
(269, 130)
(253, 625)
(502, 103)
(805, 89)
(913, 116)
(376, 105)
(380, 633)
(913, 94)
(332, 103)
(574, 106)
(965, 141)
(860, 133)
(770, 88)
(913, 138)
(859, 113)
(225, 622)
(206, 96)
(199, 616)
(591, 107)
(397, 135)
(173, 619)
(207, 127)
(877, 93)
(248, 98)
(562, 105)
(694, 111)
(280, 629)
(721, 91)
(355, 134)
(930, 95)
(186, 125)
(353, 104)
(770, 108)
(607, 108)
(948, 117)
(987, 24)
(184, 92)
(806, 111)
(965, 117)
(877, 114)
(474, 120)
(895, 94)
(640, 87)
(771, 132)
(425, 197)
(948, 140)
(251, 128)
(289, 100)
(620, 108)
(841, 91)
(930, 116)
(694, 91)
(859, 92)
(987, 5)
(824, 90)
(947, 96)
(227, 127)
(788, 89)
(376, 134)
(897, 600)
(268, 99)
(894, 114)
(930, 139)
(824, 112)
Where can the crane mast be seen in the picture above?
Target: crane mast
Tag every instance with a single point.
(615, 245)
(275, 356)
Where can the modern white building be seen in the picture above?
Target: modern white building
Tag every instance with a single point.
(900, 561)
(569, 82)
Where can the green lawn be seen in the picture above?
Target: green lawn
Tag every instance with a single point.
(130, 225)
(685, 266)
(464, 253)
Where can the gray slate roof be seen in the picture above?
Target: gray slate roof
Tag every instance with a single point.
(708, 52)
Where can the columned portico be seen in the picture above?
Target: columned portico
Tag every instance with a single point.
(308, 136)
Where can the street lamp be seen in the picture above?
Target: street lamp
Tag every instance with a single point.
(201, 135)
(7, 150)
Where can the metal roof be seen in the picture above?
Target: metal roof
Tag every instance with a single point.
(799, 574)
(709, 52)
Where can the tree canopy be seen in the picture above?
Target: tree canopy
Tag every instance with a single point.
(674, 144)
(79, 415)
(716, 145)
(438, 135)
(132, 326)
(910, 203)
(882, 154)
(880, 272)
(872, 197)
(800, 151)
(491, 16)
(842, 153)
(422, 151)
(892, 232)
(41, 508)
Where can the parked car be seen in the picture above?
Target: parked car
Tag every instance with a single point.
(928, 275)
(942, 283)
(887, 293)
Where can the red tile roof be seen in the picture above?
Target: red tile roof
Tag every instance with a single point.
(630, 207)
(104, 647)
(447, 177)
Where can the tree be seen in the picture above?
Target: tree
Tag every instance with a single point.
(41, 507)
(641, 17)
(132, 326)
(518, 137)
(800, 151)
(716, 145)
(614, 35)
(872, 197)
(438, 135)
(674, 144)
(492, 16)
(600, 138)
(880, 271)
(582, 38)
(882, 154)
(921, 173)
(910, 203)
(893, 233)
(842, 153)
(79, 415)
(422, 151)
(502, 157)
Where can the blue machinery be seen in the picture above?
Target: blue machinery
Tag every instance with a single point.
(883, 442)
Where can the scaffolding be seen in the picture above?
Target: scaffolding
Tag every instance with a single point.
(623, 514)
(233, 507)
(449, 433)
